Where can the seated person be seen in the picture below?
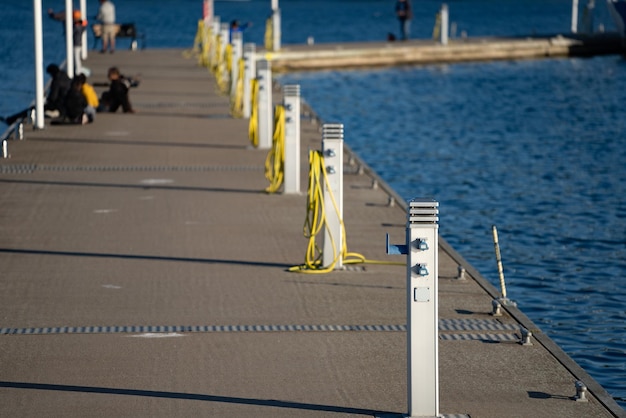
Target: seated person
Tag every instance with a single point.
(74, 104)
(117, 95)
(90, 96)
(59, 87)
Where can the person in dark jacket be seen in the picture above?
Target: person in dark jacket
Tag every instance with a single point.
(59, 87)
(117, 95)
(75, 103)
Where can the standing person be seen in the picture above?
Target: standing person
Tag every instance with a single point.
(404, 12)
(59, 87)
(235, 26)
(106, 15)
(77, 37)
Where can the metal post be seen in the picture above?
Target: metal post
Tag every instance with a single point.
(265, 110)
(574, 16)
(292, 139)
(249, 73)
(276, 29)
(39, 89)
(215, 31)
(69, 41)
(207, 11)
(225, 34)
(422, 243)
(422, 303)
(444, 24)
(237, 44)
(332, 148)
(83, 15)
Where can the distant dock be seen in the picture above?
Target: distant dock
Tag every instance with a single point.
(415, 52)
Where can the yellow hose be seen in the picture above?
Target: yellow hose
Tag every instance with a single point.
(315, 223)
(269, 35)
(223, 75)
(253, 126)
(236, 106)
(275, 161)
(217, 55)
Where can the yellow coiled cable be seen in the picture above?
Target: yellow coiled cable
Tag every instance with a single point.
(315, 223)
(275, 161)
(236, 106)
(253, 126)
(269, 35)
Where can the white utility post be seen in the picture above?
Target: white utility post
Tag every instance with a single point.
(574, 16)
(445, 25)
(207, 12)
(225, 34)
(69, 41)
(215, 31)
(276, 24)
(265, 113)
(237, 45)
(332, 148)
(39, 89)
(292, 139)
(422, 243)
(83, 16)
(249, 73)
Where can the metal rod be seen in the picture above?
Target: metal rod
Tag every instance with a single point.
(499, 260)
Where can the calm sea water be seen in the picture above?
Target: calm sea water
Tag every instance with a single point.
(534, 147)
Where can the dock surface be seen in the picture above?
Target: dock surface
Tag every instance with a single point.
(145, 274)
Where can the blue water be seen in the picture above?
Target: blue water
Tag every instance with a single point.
(534, 147)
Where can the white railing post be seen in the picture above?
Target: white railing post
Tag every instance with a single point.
(332, 149)
(292, 139)
(237, 45)
(39, 88)
(249, 73)
(83, 16)
(444, 24)
(265, 109)
(69, 42)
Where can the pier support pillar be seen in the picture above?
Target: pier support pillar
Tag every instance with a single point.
(225, 40)
(422, 243)
(332, 148)
(249, 73)
(265, 110)
(292, 139)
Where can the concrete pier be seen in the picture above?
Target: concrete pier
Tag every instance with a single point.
(385, 54)
(145, 274)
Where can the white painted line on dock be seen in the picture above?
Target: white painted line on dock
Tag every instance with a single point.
(104, 211)
(154, 182)
(117, 133)
(158, 335)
